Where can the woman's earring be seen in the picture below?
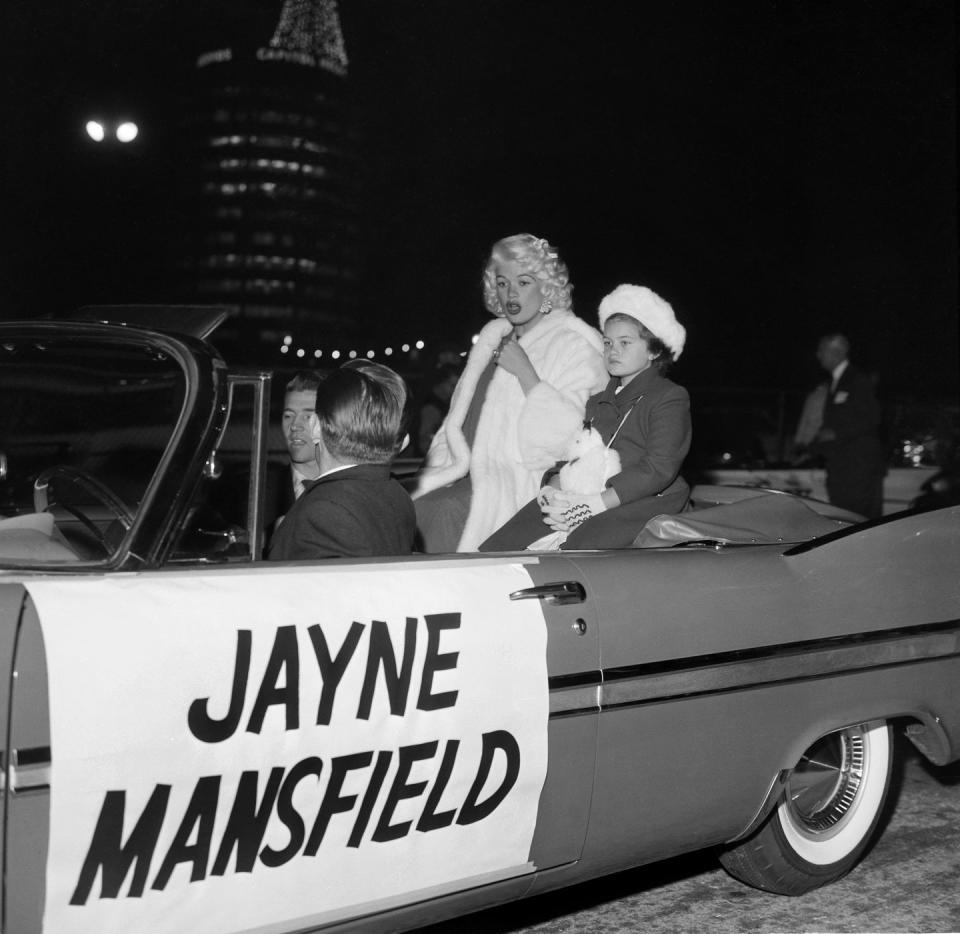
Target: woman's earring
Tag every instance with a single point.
(500, 313)
(546, 307)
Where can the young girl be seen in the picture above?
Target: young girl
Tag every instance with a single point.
(642, 415)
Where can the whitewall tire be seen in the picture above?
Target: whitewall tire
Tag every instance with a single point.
(828, 813)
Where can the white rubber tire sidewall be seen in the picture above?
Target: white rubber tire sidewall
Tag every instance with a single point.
(839, 842)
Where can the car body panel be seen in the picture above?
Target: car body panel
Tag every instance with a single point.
(738, 633)
(11, 603)
(28, 799)
(696, 771)
(748, 597)
(679, 686)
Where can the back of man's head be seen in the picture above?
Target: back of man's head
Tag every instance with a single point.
(361, 411)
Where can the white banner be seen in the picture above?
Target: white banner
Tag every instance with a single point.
(233, 750)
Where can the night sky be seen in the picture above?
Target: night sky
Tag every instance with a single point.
(774, 169)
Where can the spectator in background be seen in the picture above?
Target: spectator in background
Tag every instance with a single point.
(848, 437)
(354, 508)
(433, 409)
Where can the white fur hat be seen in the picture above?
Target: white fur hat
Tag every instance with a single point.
(644, 305)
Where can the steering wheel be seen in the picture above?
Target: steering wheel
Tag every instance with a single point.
(43, 499)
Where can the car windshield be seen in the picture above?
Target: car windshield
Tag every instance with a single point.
(83, 425)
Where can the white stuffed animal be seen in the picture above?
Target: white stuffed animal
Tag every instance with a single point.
(590, 463)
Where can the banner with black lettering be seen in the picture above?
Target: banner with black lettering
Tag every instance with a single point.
(238, 749)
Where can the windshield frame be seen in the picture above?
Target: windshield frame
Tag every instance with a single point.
(197, 427)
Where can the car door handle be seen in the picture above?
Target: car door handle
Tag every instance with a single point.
(558, 594)
(28, 771)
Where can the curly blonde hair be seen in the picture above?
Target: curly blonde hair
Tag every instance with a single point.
(537, 257)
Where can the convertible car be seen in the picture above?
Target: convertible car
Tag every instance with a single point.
(194, 739)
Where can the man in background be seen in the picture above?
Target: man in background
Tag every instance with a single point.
(848, 436)
(354, 508)
(299, 405)
(220, 509)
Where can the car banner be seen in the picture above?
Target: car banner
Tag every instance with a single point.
(238, 749)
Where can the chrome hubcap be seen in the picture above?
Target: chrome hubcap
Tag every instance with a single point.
(824, 784)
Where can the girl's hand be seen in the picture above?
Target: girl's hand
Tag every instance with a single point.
(546, 496)
(568, 510)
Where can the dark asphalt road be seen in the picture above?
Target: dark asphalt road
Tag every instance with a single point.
(909, 882)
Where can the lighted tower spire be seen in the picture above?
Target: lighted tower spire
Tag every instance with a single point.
(309, 33)
(274, 226)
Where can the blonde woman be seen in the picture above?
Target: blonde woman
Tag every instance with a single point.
(518, 403)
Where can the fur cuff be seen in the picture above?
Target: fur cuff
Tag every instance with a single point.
(547, 425)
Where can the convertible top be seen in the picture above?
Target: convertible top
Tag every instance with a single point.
(198, 321)
(754, 517)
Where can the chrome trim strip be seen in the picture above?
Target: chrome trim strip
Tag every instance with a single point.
(781, 649)
(28, 771)
(575, 679)
(566, 702)
(770, 800)
(589, 692)
(825, 661)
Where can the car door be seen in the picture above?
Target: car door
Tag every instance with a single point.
(679, 761)
(573, 662)
(274, 720)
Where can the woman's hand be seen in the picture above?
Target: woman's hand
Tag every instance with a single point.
(510, 356)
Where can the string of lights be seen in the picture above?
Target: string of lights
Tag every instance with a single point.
(336, 354)
(287, 347)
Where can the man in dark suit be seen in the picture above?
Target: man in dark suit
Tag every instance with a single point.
(354, 508)
(848, 436)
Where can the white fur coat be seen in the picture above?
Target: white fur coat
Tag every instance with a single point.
(518, 437)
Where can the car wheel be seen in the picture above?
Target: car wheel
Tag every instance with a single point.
(828, 812)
